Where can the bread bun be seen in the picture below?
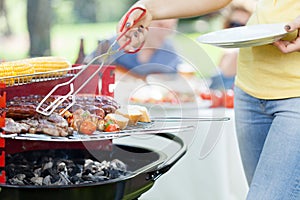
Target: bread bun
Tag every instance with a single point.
(118, 119)
(134, 113)
(145, 114)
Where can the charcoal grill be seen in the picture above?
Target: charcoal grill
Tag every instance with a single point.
(146, 163)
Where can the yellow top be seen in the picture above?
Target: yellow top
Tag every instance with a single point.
(263, 71)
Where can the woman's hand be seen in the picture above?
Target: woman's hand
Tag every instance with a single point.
(132, 28)
(290, 46)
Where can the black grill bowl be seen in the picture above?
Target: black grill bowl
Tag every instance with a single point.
(145, 165)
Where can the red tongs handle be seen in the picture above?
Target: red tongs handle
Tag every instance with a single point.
(125, 25)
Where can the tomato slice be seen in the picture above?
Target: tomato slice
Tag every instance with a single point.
(112, 128)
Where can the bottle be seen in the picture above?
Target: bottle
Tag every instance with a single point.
(81, 54)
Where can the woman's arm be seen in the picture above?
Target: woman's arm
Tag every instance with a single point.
(162, 9)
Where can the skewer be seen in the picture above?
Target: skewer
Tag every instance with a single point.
(176, 119)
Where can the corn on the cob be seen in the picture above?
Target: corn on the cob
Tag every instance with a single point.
(15, 68)
(32, 66)
(44, 64)
(50, 63)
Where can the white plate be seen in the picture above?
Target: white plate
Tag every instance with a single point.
(245, 36)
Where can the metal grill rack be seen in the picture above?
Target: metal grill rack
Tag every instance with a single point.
(40, 76)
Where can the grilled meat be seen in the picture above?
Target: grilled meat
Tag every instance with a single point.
(20, 108)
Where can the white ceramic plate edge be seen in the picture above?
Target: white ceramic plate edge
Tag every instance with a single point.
(255, 40)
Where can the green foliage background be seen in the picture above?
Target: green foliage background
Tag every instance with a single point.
(68, 28)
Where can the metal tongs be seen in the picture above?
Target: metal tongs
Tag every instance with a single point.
(48, 110)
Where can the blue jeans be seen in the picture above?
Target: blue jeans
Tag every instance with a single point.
(268, 132)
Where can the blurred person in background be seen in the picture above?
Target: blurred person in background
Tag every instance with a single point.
(157, 55)
(236, 14)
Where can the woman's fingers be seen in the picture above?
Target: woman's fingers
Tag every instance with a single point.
(294, 25)
(131, 31)
(133, 39)
(293, 45)
(288, 46)
(133, 18)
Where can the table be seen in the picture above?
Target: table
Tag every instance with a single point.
(219, 176)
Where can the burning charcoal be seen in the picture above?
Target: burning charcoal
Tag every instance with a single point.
(114, 173)
(47, 165)
(91, 167)
(55, 179)
(37, 180)
(74, 169)
(105, 164)
(18, 179)
(24, 169)
(76, 179)
(118, 165)
(37, 172)
(15, 181)
(54, 167)
(64, 180)
(100, 173)
(46, 168)
(98, 164)
(63, 174)
(10, 170)
(105, 172)
(100, 178)
(21, 177)
(61, 167)
(89, 177)
(47, 180)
